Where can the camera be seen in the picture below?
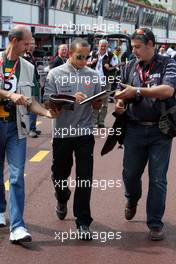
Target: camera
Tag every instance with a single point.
(9, 106)
(119, 86)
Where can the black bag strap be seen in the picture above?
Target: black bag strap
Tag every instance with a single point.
(163, 107)
(165, 61)
(128, 71)
(132, 70)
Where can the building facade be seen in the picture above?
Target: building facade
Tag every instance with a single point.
(53, 21)
(168, 4)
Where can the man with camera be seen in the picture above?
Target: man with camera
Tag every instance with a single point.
(16, 100)
(146, 81)
(104, 62)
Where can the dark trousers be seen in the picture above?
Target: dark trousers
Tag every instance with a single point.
(63, 149)
(146, 144)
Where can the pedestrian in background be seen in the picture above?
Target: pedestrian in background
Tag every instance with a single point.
(33, 117)
(103, 62)
(61, 56)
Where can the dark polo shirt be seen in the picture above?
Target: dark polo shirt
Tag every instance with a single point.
(160, 70)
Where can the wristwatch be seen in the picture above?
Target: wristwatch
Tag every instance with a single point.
(138, 91)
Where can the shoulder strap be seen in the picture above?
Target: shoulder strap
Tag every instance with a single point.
(127, 73)
(164, 62)
(93, 54)
(163, 107)
(110, 55)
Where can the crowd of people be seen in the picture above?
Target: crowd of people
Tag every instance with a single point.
(167, 51)
(146, 79)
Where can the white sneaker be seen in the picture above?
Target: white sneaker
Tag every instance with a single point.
(33, 134)
(2, 220)
(20, 234)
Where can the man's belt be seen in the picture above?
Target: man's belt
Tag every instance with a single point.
(6, 115)
(3, 113)
(7, 118)
(145, 123)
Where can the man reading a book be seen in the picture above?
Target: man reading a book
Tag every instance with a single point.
(77, 137)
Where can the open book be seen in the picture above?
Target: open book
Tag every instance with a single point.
(97, 96)
(62, 101)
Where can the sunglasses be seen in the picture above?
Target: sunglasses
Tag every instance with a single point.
(141, 33)
(82, 57)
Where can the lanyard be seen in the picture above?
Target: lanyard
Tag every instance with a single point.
(144, 75)
(12, 71)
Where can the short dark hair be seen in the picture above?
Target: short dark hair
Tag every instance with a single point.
(79, 42)
(17, 33)
(144, 34)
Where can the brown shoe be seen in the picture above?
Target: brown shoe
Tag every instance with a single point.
(130, 211)
(156, 235)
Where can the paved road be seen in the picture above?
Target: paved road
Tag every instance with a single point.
(107, 210)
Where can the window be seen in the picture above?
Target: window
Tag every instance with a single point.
(87, 7)
(53, 3)
(114, 9)
(59, 4)
(148, 17)
(130, 13)
(173, 23)
(65, 5)
(36, 2)
(161, 20)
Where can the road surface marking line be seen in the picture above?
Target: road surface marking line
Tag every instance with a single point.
(38, 123)
(40, 156)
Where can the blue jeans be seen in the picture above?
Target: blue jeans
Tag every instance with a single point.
(33, 117)
(144, 144)
(33, 120)
(15, 151)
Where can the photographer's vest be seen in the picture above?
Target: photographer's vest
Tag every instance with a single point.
(106, 59)
(24, 86)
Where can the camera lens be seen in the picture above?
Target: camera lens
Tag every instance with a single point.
(8, 105)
